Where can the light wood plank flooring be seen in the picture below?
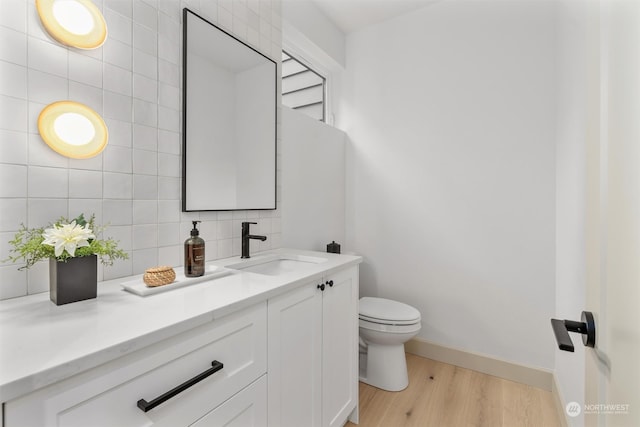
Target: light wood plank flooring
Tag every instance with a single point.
(443, 395)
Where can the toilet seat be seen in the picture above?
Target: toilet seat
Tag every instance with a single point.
(387, 312)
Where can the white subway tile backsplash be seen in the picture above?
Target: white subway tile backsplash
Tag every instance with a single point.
(40, 154)
(38, 278)
(169, 73)
(13, 180)
(14, 15)
(88, 207)
(145, 162)
(13, 46)
(42, 212)
(117, 79)
(169, 96)
(117, 212)
(117, 185)
(168, 211)
(171, 255)
(14, 80)
(145, 14)
(145, 237)
(169, 142)
(145, 64)
(120, 27)
(119, 132)
(120, 268)
(121, 234)
(145, 39)
(47, 57)
(117, 159)
(117, 106)
(84, 69)
(14, 213)
(145, 113)
(123, 7)
(47, 88)
(169, 234)
(170, 28)
(224, 229)
(13, 147)
(169, 165)
(85, 94)
(118, 53)
(14, 282)
(93, 163)
(145, 187)
(145, 212)
(13, 113)
(134, 81)
(145, 88)
(48, 182)
(168, 49)
(85, 184)
(168, 119)
(168, 188)
(145, 137)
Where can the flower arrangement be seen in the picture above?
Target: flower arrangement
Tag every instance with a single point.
(63, 240)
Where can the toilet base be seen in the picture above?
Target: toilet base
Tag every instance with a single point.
(386, 367)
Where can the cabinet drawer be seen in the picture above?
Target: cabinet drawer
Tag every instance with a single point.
(246, 409)
(108, 395)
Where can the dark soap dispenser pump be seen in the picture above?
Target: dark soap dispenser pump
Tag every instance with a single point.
(194, 253)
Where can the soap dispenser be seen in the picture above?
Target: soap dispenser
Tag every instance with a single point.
(194, 253)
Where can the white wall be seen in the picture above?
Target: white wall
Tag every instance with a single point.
(134, 82)
(313, 207)
(571, 184)
(451, 171)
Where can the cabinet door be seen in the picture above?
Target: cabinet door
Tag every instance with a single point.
(294, 357)
(246, 409)
(340, 347)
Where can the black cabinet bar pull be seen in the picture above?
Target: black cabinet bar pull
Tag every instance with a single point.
(147, 406)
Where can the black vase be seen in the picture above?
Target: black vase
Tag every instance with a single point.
(74, 280)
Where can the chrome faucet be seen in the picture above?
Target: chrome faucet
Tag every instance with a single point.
(245, 238)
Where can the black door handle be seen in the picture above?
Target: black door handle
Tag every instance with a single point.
(147, 406)
(330, 283)
(587, 327)
(321, 287)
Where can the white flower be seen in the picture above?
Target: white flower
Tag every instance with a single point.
(67, 236)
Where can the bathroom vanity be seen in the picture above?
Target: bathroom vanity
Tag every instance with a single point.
(273, 343)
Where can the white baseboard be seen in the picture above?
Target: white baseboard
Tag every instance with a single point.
(534, 377)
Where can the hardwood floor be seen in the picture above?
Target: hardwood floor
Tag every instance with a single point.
(443, 395)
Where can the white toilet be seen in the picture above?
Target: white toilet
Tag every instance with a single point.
(385, 326)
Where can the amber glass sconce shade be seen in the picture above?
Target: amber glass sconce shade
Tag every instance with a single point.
(76, 23)
(73, 129)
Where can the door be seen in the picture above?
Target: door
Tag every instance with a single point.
(340, 347)
(612, 380)
(294, 357)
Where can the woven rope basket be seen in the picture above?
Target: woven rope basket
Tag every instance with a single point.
(158, 276)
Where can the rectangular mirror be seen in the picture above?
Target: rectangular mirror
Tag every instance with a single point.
(229, 121)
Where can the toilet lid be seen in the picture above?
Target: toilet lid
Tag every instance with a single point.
(387, 310)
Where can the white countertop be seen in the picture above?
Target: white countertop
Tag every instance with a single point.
(41, 343)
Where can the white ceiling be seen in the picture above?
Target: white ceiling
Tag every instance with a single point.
(352, 15)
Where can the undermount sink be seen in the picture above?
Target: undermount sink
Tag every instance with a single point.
(276, 264)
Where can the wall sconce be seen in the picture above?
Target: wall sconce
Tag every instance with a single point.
(76, 23)
(73, 129)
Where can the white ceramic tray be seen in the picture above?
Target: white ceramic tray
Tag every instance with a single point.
(138, 287)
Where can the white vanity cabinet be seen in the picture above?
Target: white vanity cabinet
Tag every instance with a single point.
(108, 395)
(313, 353)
